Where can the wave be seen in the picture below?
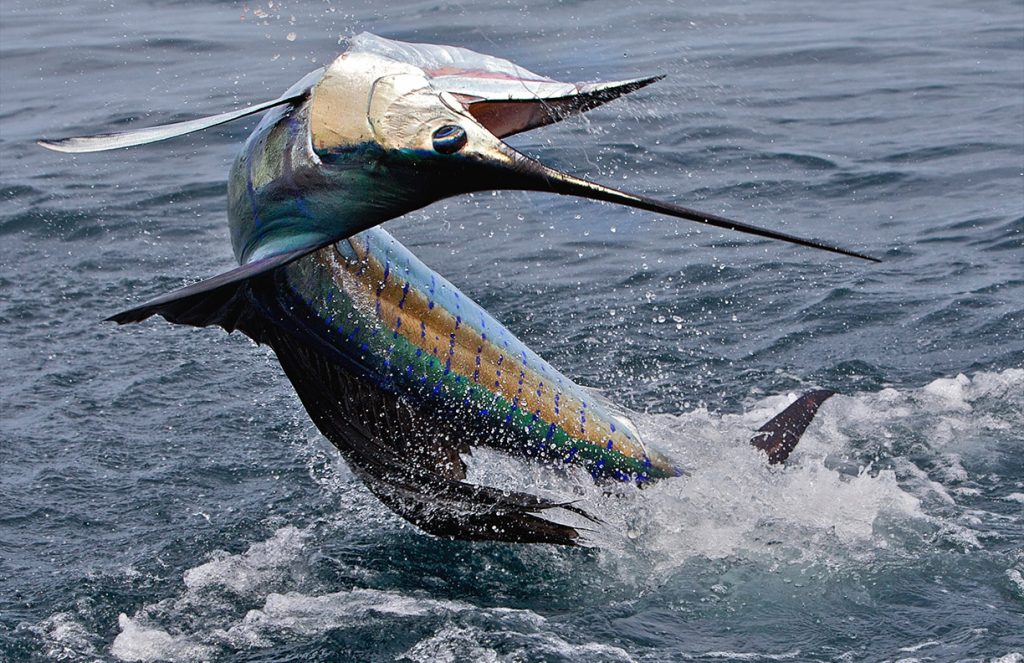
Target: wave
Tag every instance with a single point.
(882, 479)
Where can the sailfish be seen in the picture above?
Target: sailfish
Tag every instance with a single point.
(399, 369)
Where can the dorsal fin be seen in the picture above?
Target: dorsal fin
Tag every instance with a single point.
(778, 437)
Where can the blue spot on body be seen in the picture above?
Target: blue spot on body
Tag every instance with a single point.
(405, 291)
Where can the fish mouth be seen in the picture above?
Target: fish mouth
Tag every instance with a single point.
(503, 167)
(506, 117)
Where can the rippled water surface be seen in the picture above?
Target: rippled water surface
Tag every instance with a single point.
(163, 496)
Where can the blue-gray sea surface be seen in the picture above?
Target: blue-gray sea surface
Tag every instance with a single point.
(163, 495)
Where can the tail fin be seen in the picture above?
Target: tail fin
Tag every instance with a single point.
(778, 437)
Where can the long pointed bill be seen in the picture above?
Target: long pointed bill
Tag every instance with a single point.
(538, 177)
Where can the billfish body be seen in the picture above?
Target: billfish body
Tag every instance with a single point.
(395, 366)
(406, 329)
(392, 320)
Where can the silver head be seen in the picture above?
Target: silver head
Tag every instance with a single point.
(390, 127)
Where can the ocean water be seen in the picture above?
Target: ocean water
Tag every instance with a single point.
(164, 497)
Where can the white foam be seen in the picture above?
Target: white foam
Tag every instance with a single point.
(64, 637)
(213, 586)
(950, 390)
(950, 467)
(1017, 578)
(253, 569)
(516, 642)
(752, 656)
(827, 503)
(138, 643)
(733, 503)
(451, 644)
(1012, 657)
(826, 506)
(294, 614)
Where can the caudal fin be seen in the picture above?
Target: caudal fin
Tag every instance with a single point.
(778, 437)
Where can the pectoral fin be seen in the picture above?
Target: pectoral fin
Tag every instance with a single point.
(133, 137)
(211, 302)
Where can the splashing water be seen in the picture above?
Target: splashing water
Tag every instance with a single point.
(864, 497)
(164, 497)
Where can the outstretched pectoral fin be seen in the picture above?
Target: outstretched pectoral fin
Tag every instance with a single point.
(133, 137)
(214, 301)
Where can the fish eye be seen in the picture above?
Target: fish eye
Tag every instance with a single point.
(449, 139)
